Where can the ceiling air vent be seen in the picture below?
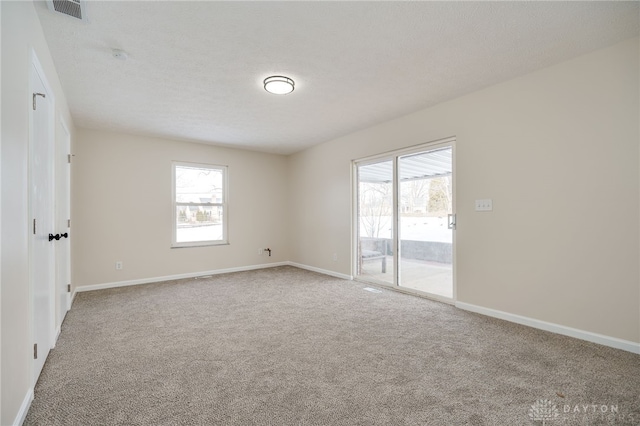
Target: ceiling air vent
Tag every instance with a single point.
(74, 8)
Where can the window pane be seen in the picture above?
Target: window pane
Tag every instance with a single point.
(199, 223)
(198, 185)
(375, 210)
(426, 241)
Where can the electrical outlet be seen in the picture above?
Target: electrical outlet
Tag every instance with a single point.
(260, 251)
(119, 265)
(335, 257)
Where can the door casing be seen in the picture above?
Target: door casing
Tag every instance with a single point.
(41, 177)
(62, 222)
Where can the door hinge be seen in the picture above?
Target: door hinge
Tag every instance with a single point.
(34, 99)
(68, 288)
(68, 223)
(69, 158)
(35, 351)
(34, 227)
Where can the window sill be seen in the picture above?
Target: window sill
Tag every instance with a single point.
(199, 244)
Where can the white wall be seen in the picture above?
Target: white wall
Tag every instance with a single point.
(557, 150)
(121, 208)
(21, 31)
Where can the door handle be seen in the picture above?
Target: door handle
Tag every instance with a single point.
(58, 236)
(451, 221)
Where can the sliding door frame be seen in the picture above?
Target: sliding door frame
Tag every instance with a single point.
(394, 157)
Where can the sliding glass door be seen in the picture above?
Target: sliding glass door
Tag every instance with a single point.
(406, 220)
(425, 212)
(376, 221)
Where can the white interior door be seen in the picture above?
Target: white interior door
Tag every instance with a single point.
(63, 209)
(41, 204)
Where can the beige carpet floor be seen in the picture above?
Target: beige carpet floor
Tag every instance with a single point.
(284, 346)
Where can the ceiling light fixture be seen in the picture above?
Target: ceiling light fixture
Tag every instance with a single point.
(278, 85)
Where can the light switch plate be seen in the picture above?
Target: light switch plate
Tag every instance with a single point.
(485, 205)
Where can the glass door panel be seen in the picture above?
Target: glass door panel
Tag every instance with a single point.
(425, 201)
(375, 222)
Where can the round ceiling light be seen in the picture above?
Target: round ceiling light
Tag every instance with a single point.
(278, 85)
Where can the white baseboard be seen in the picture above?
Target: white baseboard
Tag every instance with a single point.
(204, 273)
(518, 319)
(24, 408)
(321, 271)
(554, 328)
(175, 277)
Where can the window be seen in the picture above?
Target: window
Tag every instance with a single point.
(199, 205)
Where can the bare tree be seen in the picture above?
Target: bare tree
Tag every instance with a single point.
(440, 195)
(375, 207)
(413, 195)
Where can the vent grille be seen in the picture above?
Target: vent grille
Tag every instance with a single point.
(71, 8)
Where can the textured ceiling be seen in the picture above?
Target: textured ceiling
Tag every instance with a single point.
(195, 69)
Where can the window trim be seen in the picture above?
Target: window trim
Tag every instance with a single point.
(224, 205)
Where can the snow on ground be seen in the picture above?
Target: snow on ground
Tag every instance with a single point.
(413, 228)
(200, 233)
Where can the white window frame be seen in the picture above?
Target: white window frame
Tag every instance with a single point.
(223, 205)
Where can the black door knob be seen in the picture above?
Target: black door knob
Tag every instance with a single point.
(58, 236)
